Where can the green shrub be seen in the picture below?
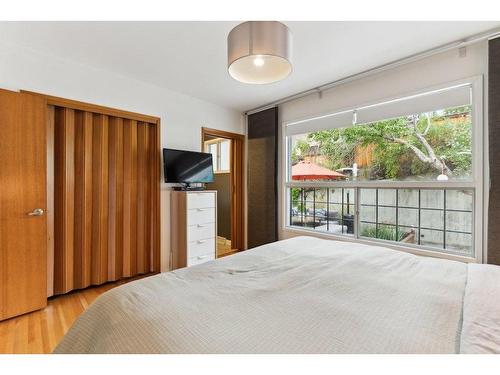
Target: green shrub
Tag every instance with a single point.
(383, 233)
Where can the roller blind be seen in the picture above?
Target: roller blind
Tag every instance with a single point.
(334, 120)
(426, 102)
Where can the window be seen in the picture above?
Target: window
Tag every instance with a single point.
(221, 154)
(400, 171)
(224, 147)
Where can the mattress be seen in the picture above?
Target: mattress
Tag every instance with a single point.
(302, 295)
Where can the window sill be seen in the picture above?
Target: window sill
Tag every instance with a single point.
(422, 251)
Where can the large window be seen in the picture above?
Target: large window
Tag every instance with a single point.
(400, 171)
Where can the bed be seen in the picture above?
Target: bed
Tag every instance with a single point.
(302, 295)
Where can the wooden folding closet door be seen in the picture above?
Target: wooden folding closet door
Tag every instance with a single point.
(106, 187)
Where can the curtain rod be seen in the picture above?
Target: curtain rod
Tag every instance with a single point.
(490, 34)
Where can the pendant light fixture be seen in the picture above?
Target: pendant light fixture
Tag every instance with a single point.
(259, 52)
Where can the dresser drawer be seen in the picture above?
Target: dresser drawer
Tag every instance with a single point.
(201, 231)
(201, 216)
(201, 247)
(200, 259)
(200, 200)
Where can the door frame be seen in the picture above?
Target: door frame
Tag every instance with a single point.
(237, 182)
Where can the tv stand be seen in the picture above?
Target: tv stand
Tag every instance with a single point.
(189, 187)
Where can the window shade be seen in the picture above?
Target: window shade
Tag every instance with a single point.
(427, 102)
(336, 120)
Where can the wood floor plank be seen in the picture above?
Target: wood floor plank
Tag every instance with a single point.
(11, 329)
(5, 337)
(48, 340)
(21, 337)
(83, 301)
(35, 340)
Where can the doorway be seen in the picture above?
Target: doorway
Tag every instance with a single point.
(227, 150)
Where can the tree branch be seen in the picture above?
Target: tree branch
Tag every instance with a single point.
(415, 149)
(431, 159)
(437, 163)
(427, 146)
(428, 124)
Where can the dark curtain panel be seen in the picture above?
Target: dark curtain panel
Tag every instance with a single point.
(262, 177)
(494, 151)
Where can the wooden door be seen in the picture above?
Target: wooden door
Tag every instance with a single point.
(23, 237)
(236, 181)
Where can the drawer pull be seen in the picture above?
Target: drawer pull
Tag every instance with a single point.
(200, 209)
(202, 256)
(201, 241)
(201, 226)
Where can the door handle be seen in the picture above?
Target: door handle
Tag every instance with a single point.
(36, 212)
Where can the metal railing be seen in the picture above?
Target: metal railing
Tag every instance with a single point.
(319, 213)
(440, 218)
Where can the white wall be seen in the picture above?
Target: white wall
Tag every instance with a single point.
(412, 77)
(181, 116)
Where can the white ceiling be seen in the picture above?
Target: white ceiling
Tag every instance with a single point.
(190, 57)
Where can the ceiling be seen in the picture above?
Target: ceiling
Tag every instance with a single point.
(190, 57)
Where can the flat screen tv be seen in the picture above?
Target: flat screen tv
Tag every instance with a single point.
(187, 167)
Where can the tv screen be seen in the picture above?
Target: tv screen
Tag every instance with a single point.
(187, 166)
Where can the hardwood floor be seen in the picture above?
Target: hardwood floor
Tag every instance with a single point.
(39, 332)
(224, 247)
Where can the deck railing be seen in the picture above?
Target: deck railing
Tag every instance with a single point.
(438, 218)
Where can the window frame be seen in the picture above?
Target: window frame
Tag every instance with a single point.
(476, 183)
(217, 163)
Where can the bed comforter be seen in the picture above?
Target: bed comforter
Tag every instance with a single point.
(302, 295)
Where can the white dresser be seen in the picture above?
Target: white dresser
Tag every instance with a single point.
(193, 223)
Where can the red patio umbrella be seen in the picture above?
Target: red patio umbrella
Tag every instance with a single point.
(305, 170)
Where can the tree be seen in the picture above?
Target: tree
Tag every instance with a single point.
(301, 148)
(437, 142)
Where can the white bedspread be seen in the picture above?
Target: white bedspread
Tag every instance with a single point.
(302, 295)
(481, 326)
